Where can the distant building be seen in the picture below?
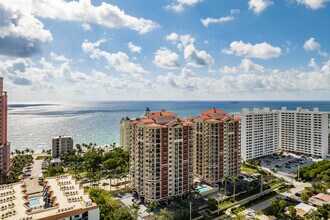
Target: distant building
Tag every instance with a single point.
(4, 144)
(125, 133)
(161, 155)
(62, 198)
(300, 131)
(61, 144)
(304, 131)
(259, 132)
(217, 146)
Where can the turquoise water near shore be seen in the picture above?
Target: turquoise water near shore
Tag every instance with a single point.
(33, 125)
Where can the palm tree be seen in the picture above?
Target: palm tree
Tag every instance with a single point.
(224, 181)
(234, 180)
(293, 212)
(274, 204)
(135, 210)
(281, 205)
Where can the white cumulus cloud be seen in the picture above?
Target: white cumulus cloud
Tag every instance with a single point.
(311, 44)
(133, 48)
(259, 5)
(104, 14)
(178, 5)
(261, 51)
(165, 58)
(118, 61)
(197, 58)
(21, 34)
(209, 20)
(59, 58)
(313, 4)
(86, 27)
(172, 37)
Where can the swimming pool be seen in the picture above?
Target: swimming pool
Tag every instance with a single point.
(203, 188)
(35, 201)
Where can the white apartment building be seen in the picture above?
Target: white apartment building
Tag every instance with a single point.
(259, 132)
(304, 131)
(265, 131)
(161, 161)
(61, 144)
(62, 198)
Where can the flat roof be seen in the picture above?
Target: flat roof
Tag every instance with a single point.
(68, 196)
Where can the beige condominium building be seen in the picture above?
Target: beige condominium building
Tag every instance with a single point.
(62, 198)
(61, 144)
(4, 144)
(161, 161)
(217, 146)
(259, 132)
(304, 131)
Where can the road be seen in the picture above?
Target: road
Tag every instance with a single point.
(299, 186)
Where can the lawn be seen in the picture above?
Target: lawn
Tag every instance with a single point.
(248, 169)
(225, 204)
(41, 157)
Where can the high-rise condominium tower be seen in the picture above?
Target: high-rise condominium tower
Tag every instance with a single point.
(217, 146)
(304, 131)
(161, 154)
(259, 132)
(4, 144)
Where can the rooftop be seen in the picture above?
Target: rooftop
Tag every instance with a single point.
(69, 199)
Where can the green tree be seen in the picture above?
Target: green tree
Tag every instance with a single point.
(150, 207)
(225, 181)
(281, 206)
(240, 216)
(274, 205)
(135, 210)
(165, 214)
(292, 212)
(304, 196)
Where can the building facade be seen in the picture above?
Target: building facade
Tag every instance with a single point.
(161, 161)
(217, 146)
(259, 132)
(4, 144)
(62, 198)
(125, 133)
(60, 145)
(305, 132)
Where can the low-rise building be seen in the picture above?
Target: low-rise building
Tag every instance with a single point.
(303, 209)
(61, 144)
(319, 199)
(63, 198)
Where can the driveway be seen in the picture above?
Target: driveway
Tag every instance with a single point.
(31, 182)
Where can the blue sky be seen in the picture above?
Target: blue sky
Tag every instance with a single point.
(165, 50)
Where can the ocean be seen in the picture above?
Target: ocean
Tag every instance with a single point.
(33, 125)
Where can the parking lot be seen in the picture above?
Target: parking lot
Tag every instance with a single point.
(287, 163)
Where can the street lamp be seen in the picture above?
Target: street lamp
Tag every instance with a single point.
(189, 210)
